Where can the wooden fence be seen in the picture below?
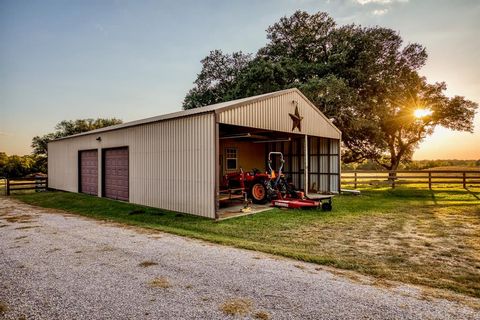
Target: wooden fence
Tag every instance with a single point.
(350, 178)
(23, 184)
(356, 178)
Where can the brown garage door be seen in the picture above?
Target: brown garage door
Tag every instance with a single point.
(115, 182)
(88, 171)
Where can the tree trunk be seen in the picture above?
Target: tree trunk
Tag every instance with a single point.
(392, 176)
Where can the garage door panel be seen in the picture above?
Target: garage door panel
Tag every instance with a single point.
(116, 174)
(88, 174)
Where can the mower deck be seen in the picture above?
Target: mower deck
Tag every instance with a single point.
(296, 203)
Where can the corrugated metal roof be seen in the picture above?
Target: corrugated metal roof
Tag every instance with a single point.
(217, 108)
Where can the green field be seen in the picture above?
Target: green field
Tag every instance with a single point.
(408, 234)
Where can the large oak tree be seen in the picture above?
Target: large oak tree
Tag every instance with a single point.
(367, 79)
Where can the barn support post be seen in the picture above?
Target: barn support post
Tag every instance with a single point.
(329, 165)
(216, 136)
(305, 158)
(339, 161)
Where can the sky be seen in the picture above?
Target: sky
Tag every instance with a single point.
(136, 59)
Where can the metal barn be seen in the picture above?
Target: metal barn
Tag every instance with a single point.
(176, 161)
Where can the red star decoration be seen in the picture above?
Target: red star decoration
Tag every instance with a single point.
(297, 120)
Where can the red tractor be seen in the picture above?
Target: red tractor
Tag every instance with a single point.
(262, 187)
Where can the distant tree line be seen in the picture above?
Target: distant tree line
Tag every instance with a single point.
(67, 128)
(19, 166)
(15, 166)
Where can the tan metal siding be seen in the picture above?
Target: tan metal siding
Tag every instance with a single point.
(273, 114)
(171, 163)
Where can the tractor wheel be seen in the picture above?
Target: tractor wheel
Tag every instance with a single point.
(258, 193)
(326, 206)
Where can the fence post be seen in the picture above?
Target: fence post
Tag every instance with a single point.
(355, 180)
(394, 177)
(429, 180)
(464, 181)
(8, 187)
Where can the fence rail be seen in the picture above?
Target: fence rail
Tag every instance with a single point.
(353, 178)
(22, 184)
(356, 178)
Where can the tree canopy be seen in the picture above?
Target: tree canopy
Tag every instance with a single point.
(68, 128)
(365, 78)
(19, 166)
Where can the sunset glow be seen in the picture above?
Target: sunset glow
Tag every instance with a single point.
(69, 60)
(421, 112)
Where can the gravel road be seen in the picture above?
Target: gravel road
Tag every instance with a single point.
(59, 266)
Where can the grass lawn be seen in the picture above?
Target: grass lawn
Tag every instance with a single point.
(411, 235)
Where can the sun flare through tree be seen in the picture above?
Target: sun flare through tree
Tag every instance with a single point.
(422, 112)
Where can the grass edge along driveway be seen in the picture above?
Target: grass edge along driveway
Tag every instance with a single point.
(411, 235)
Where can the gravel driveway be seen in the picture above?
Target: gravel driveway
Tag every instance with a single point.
(59, 266)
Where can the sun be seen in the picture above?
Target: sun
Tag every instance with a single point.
(420, 112)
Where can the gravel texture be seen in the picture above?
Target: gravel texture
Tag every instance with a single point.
(59, 266)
